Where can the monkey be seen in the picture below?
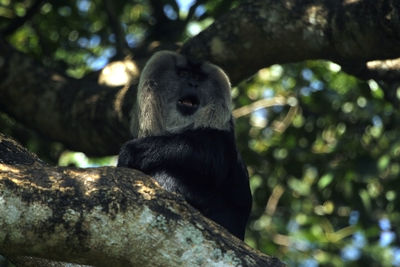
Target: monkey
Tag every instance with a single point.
(184, 138)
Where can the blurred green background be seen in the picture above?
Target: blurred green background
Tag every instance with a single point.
(322, 152)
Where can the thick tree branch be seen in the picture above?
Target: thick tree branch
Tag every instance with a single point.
(94, 119)
(383, 70)
(260, 33)
(105, 217)
(80, 113)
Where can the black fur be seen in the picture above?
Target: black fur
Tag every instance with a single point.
(201, 164)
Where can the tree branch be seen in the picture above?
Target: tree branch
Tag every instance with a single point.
(82, 114)
(105, 217)
(382, 70)
(260, 33)
(192, 10)
(263, 103)
(94, 119)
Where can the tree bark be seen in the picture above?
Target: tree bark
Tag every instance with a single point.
(105, 217)
(88, 117)
(82, 114)
(261, 33)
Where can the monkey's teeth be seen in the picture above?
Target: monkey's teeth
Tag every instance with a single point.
(186, 103)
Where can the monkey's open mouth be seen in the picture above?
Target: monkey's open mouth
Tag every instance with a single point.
(188, 104)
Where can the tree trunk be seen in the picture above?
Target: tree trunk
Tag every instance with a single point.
(105, 217)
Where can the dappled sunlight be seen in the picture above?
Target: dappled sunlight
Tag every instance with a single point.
(322, 147)
(8, 168)
(88, 180)
(119, 73)
(147, 192)
(340, 148)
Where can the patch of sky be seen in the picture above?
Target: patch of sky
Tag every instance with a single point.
(314, 86)
(305, 91)
(396, 256)
(131, 40)
(83, 5)
(292, 226)
(359, 240)
(386, 238)
(354, 216)
(268, 92)
(302, 245)
(377, 121)
(83, 42)
(309, 263)
(200, 10)
(259, 118)
(97, 63)
(261, 113)
(170, 12)
(109, 52)
(317, 85)
(184, 5)
(350, 253)
(307, 74)
(94, 41)
(384, 224)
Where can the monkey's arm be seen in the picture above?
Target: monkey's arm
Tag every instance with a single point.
(206, 153)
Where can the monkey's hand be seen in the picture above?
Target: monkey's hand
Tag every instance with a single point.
(205, 154)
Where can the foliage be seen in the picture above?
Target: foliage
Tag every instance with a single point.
(324, 189)
(324, 168)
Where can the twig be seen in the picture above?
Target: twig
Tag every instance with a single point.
(281, 126)
(263, 103)
(115, 25)
(273, 200)
(192, 10)
(381, 70)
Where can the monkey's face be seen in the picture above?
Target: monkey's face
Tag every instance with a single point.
(176, 94)
(190, 80)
